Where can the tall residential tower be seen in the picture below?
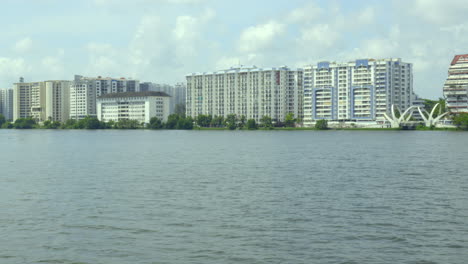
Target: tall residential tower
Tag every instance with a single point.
(249, 91)
(361, 90)
(42, 101)
(6, 103)
(456, 86)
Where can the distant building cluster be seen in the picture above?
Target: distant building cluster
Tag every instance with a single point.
(359, 92)
(60, 100)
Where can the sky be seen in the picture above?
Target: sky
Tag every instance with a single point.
(164, 40)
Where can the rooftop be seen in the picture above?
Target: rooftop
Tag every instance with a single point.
(134, 94)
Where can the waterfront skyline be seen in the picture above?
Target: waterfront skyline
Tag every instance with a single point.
(163, 41)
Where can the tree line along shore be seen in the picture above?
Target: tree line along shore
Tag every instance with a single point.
(201, 122)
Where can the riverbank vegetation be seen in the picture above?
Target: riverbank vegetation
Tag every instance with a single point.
(202, 122)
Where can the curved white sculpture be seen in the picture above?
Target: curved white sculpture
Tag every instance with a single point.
(404, 117)
(429, 120)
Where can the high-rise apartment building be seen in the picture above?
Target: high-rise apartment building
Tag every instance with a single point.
(6, 103)
(42, 101)
(29, 100)
(456, 86)
(249, 91)
(57, 106)
(179, 94)
(85, 90)
(361, 90)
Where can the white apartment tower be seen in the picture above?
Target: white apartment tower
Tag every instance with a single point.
(361, 90)
(456, 86)
(85, 90)
(6, 103)
(249, 91)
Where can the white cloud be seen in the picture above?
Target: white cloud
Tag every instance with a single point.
(305, 14)
(23, 45)
(319, 36)
(436, 11)
(366, 16)
(258, 37)
(12, 69)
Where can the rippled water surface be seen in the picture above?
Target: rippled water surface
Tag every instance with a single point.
(233, 197)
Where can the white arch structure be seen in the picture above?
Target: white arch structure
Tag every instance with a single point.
(429, 120)
(404, 117)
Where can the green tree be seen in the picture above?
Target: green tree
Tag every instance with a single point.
(48, 124)
(155, 123)
(24, 123)
(7, 124)
(179, 109)
(289, 121)
(127, 124)
(172, 121)
(461, 121)
(231, 121)
(109, 124)
(217, 121)
(251, 124)
(89, 122)
(185, 123)
(266, 122)
(69, 124)
(2, 120)
(204, 120)
(321, 124)
(242, 120)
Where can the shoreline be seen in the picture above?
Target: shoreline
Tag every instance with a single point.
(259, 129)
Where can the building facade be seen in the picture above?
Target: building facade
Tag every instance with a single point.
(140, 106)
(48, 100)
(85, 90)
(29, 100)
(456, 85)
(57, 100)
(246, 91)
(177, 92)
(357, 91)
(6, 103)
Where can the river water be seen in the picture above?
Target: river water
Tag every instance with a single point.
(233, 196)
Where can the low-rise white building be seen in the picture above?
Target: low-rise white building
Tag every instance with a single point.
(140, 106)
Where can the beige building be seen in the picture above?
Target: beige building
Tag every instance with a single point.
(140, 106)
(41, 100)
(57, 100)
(29, 100)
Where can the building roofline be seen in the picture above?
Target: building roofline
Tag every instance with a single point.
(134, 94)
